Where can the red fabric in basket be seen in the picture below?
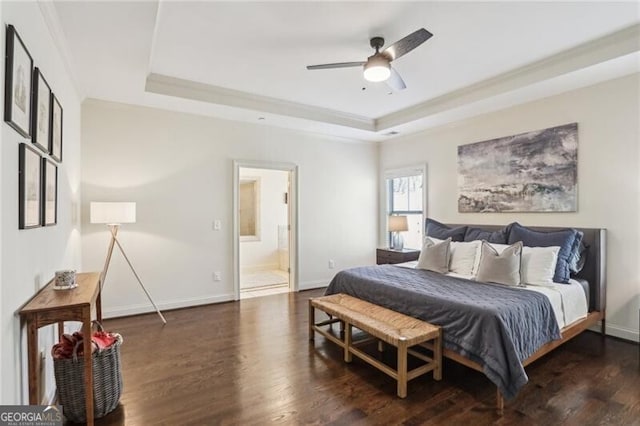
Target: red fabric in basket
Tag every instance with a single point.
(64, 349)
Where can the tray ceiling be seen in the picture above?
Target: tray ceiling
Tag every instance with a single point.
(241, 61)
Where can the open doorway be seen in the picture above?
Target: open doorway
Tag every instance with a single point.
(264, 213)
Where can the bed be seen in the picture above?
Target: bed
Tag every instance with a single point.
(488, 327)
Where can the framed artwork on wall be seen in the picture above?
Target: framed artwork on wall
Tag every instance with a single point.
(17, 84)
(535, 171)
(41, 116)
(55, 132)
(49, 192)
(29, 181)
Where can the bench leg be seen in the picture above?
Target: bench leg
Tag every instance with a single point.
(437, 356)
(347, 343)
(402, 369)
(312, 320)
(380, 346)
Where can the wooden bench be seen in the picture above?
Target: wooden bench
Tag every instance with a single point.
(388, 326)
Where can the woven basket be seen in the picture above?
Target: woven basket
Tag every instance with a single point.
(107, 383)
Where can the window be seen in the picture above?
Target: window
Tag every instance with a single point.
(405, 197)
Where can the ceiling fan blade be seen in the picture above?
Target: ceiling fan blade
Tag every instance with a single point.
(407, 44)
(394, 81)
(337, 65)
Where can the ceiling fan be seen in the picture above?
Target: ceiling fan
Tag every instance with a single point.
(378, 66)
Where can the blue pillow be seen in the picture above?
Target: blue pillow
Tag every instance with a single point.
(496, 237)
(441, 231)
(565, 239)
(579, 253)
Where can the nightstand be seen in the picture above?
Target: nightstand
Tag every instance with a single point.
(387, 255)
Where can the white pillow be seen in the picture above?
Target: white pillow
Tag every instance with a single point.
(434, 256)
(465, 257)
(498, 247)
(476, 263)
(501, 268)
(539, 264)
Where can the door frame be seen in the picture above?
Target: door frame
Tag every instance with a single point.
(293, 218)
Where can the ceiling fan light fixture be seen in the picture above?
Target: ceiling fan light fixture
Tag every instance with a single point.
(378, 66)
(377, 69)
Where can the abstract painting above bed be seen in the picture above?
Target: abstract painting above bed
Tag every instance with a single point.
(530, 172)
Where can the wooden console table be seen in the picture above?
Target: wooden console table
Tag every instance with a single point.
(51, 306)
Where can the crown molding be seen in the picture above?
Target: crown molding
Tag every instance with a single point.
(50, 15)
(604, 49)
(187, 89)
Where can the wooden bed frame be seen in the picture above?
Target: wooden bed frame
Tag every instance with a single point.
(594, 272)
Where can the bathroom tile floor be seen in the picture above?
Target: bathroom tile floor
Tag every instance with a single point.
(263, 283)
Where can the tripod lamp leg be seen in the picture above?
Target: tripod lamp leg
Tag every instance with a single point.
(114, 239)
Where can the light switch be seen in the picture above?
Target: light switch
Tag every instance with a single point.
(217, 224)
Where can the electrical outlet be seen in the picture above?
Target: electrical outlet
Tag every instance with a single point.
(332, 264)
(217, 225)
(217, 276)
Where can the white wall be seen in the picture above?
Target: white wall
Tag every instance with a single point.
(608, 176)
(29, 258)
(179, 169)
(262, 254)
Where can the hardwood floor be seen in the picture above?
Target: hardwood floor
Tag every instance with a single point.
(250, 363)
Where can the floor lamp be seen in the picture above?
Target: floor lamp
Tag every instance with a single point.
(113, 215)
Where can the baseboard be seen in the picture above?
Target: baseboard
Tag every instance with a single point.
(143, 308)
(618, 331)
(309, 285)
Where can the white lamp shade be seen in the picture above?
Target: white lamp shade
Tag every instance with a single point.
(398, 224)
(113, 213)
(376, 69)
